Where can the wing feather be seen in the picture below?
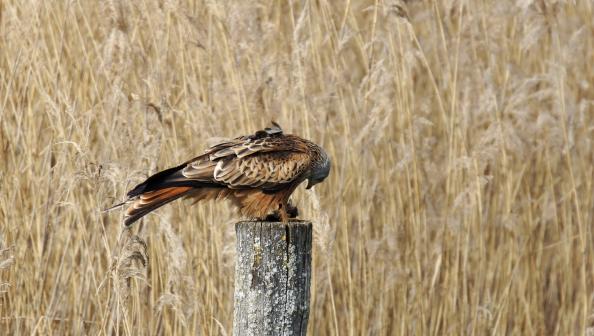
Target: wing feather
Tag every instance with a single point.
(266, 160)
(264, 170)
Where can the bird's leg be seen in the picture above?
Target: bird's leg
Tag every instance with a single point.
(275, 216)
(292, 210)
(283, 212)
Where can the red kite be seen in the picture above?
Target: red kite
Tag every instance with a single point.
(257, 172)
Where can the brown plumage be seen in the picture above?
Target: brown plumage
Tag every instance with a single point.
(258, 173)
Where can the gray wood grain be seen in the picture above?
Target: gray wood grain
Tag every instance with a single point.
(272, 278)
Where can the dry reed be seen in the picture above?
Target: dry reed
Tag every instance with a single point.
(461, 199)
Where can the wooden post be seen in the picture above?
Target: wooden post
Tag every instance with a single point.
(272, 278)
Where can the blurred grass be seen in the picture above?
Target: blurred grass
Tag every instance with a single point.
(460, 202)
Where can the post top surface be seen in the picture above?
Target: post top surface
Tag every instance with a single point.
(296, 222)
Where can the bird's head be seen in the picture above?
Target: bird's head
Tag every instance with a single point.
(319, 170)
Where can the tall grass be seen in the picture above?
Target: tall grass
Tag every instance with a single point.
(461, 199)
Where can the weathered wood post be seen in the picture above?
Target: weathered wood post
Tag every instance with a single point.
(272, 278)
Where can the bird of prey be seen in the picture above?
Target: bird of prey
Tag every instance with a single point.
(257, 172)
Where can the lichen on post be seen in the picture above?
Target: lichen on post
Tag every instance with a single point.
(272, 278)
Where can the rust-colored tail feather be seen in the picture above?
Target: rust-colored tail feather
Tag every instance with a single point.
(152, 200)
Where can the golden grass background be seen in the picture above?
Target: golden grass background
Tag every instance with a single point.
(460, 201)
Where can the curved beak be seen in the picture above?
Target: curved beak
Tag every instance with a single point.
(309, 184)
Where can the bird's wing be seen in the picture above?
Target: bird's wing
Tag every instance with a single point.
(263, 163)
(267, 162)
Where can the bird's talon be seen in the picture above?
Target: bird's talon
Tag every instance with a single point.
(273, 217)
(292, 211)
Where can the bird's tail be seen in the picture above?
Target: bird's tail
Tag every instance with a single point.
(149, 201)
